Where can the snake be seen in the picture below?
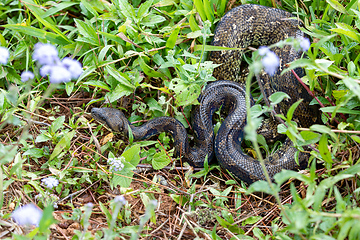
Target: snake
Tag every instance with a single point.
(243, 26)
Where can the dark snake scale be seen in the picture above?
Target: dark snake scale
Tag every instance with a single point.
(244, 26)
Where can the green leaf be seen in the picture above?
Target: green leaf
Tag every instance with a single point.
(160, 160)
(57, 124)
(349, 33)
(291, 110)
(69, 87)
(324, 129)
(132, 155)
(262, 186)
(47, 219)
(323, 148)
(337, 6)
(39, 33)
(87, 31)
(57, 8)
(200, 9)
(208, 10)
(352, 85)
(62, 144)
(144, 8)
(277, 97)
(41, 16)
(148, 70)
(170, 43)
(99, 84)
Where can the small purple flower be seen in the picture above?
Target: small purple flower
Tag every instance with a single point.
(27, 215)
(50, 182)
(45, 54)
(120, 199)
(116, 164)
(304, 44)
(263, 50)
(4, 55)
(73, 66)
(59, 74)
(26, 76)
(270, 62)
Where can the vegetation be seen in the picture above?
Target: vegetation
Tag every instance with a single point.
(148, 58)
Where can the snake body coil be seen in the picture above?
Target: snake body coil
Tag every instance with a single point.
(241, 27)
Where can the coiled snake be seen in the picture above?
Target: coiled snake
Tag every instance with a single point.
(246, 25)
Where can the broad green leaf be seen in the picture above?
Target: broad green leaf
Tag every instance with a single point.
(57, 8)
(39, 33)
(277, 97)
(160, 160)
(291, 110)
(170, 43)
(193, 24)
(208, 10)
(120, 77)
(148, 70)
(324, 129)
(99, 84)
(64, 142)
(47, 21)
(348, 33)
(47, 219)
(90, 8)
(323, 149)
(262, 186)
(337, 6)
(132, 155)
(200, 9)
(352, 85)
(144, 8)
(338, 109)
(87, 31)
(57, 124)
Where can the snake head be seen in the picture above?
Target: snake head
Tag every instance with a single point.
(111, 118)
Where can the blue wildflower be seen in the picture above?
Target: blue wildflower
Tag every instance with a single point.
(26, 76)
(45, 54)
(50, 182)
(73, 66)
(45, 70)
(4, 55)
(27, 215)
(59, 74)
(304, 44)
(120, 199)
(116, 164)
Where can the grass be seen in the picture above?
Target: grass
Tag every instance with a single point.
(148, 58)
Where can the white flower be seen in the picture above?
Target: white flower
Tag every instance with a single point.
(4, 55)
(120, 199)
(59, 74)
(304, 44)
(73, 66)
(263, 50)
(27, 215)
(116, 164)
(50, 182)
(45, 54)
(270, 62)
(26, 76)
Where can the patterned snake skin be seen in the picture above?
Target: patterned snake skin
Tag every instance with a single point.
(246, 25)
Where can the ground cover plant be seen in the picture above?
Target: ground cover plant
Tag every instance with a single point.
(64, 176)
